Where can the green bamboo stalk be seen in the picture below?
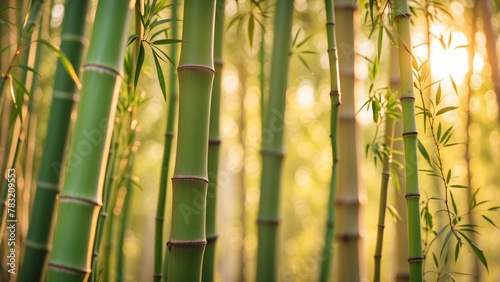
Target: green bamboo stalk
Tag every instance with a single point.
(386, 165)
(350, 192)
(491, 46)
(125, 214)
(334, 122)
(272, 144)
(402, 18)
(213, 146)
(189, 184)
(161, 268)
(476, 267)
(38, 242)
(81, 196)
(403, 272)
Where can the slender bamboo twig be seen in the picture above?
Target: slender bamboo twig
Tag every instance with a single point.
(171, 119)
(402, 19)
(81, 196)
(189, 184)
(334, 122)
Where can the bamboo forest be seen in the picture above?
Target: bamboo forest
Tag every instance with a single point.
(249, 140)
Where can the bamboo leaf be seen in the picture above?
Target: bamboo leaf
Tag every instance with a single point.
(304, 63)
(138, 66)
(295, 38)
(160, 22)
(380, 39)
(251, 29)
(439, 131)
(446, 109)
(438, 95)
(28, 69)
(435, 260)
(159, 73)
(459, 186)
(453, 203)
(448, 235)
(389, 34)
(132, 38)
(65, 61)
(166, 41)
(489, 220)
(448, 177)
(479, 253)
(424, 153)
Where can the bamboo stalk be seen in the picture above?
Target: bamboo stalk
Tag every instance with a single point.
(104, 212)
(403, 274)
(213, 146)
(125, 214)
(172, 113)
(272, 144)
(335, 97)
(38, 242)
(388, 141)
(81, 196)
(491, 46)
(402, 18)
(350, 192)
(161, 268)
(189, 184)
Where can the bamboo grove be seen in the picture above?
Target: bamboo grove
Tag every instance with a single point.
(249, 140)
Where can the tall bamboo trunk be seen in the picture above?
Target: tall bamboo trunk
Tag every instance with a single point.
(334, 122)
(213, 146)
(402, 18)
(38, 242)
(491, 46)
(350, 193)
(169, 136)
(272, 144)
(189, 184)
(403, 272)
(81, 196)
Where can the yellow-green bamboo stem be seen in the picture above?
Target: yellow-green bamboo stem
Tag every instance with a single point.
(334, 122)
(350, 196)
(272, 144)
(403, 272)
(81, 196)
(213, 147)
(189, 184)
(402, 19)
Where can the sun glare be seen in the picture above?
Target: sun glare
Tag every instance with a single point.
(452, 60)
